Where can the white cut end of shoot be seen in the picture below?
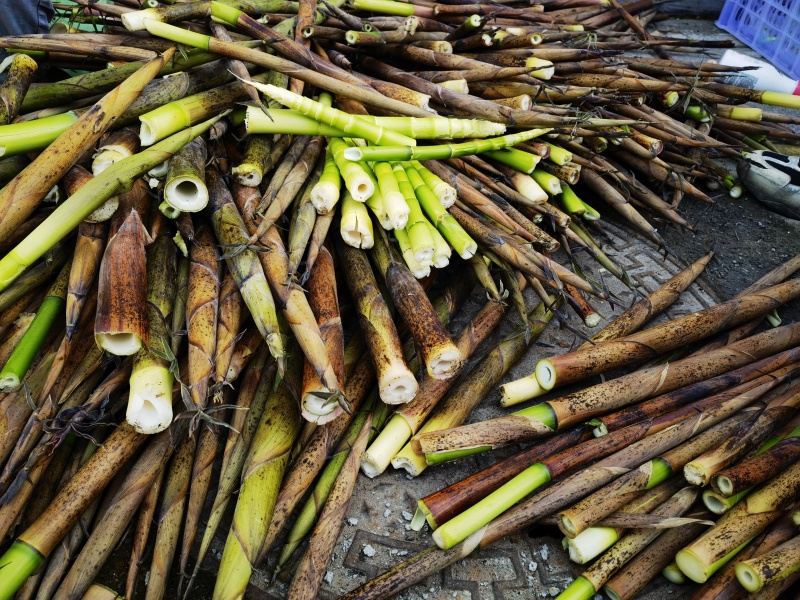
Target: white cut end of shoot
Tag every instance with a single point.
(407, 459)
(320, 410)
(150, 400)
(446, 193)
(159, 171)
(545, 374)
(520, 390)
(714, 503)
(324, 196)
(545, 69)
(725, 485)
(186, 194)
(396, 209)
(567, 525)
(9, 383)
(248, 175)
(353, 154)
(120, 344)
(418, 522)
(360, 187)
(388, 443)
(736, 191)
(457, 85)
(600, 430)
(592, 320)
(105, 212)
(695, 474)
(397, 385)
(591, 543)
(441, 249)
(105, 158)
(526, 186)
(147, 133)
(673, 574)
(356, 226)
(135, 20)
(444, 363)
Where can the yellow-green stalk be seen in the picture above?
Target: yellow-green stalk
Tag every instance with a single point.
(185, 187)
(261, 478)
(394, 203)
(409, 152)
(444, 191)
(445, 224)
(325, 192)
(20, 360)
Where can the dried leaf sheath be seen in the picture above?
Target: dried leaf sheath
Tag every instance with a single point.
(201, 313)
(88, 251)
(324, 302)
(309, 573)
(229, 324)
(121, 321)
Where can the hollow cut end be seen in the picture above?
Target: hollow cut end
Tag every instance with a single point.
(105, 159)
(446, 194)
(545, 374)
(120, 344)
(444, 363)
(186, 195)
(396, 209)
(748, 577)
(361, 188)
(566, 526)
(521, 390)
(9, 383)
(714, 503)
(150, 400)
(592, 320)
(421, 516)
(159, 171)
(413, 464)
(397, 385)
(353, 154)
(248, 176)
(147, 134)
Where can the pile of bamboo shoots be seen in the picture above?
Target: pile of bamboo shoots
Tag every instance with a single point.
(224, 171)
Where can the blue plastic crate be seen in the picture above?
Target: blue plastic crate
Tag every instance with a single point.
(771, 27)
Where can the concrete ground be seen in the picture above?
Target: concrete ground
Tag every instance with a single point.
(748, 240)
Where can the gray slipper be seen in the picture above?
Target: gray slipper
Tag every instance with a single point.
(774, 180)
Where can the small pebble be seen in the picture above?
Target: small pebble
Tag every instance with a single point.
(545, 552)
(553, 591)
(368, 551)
(407, 515)
(386, 513)
(352, 521)
(329, 577)
(532, 566)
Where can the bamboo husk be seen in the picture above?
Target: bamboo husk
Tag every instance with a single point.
(556, 371)
(757, 469)
(700, 470)
(579, 406)
(742, 378)
(261, 476)
(309, 572)
(142, 533)
(396, 383)
(120, 511)
(774, 566)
